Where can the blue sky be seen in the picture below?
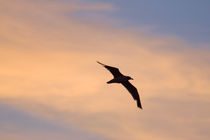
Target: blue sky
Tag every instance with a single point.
(187, 19)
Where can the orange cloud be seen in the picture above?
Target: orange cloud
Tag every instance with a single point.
(48, 67)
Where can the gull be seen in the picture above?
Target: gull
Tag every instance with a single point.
(124, 80)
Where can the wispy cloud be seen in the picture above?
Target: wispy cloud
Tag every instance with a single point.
(48, 68)
(18, 124)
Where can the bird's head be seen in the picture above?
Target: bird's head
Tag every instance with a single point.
(129, 78)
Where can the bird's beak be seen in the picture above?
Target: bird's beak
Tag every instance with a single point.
(131, 78)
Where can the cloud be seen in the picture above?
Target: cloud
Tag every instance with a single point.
(48, 69)
(17, 124)
(54, 6)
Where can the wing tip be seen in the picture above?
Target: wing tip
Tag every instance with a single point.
(139, 104)
(100, 63)
(140, 107)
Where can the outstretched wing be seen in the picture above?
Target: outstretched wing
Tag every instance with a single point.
(133, 92)
(115, 71)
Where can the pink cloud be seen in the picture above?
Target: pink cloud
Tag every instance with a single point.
(48, 68)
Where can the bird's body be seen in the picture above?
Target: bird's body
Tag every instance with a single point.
(124, 80)
(119, 79)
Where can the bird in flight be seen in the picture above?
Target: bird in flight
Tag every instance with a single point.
(124, 80)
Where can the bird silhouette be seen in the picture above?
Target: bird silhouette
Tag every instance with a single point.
(124, 80)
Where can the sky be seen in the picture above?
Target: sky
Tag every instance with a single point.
(53, 89)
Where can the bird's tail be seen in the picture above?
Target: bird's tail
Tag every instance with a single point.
(100, 63)
(139, 104)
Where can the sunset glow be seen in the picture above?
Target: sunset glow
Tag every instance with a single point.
(53, 89)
